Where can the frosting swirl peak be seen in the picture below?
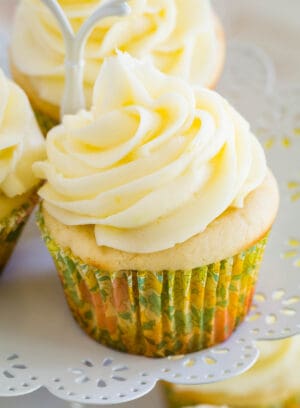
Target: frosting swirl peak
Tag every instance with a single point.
(21, 142)
(152, 164)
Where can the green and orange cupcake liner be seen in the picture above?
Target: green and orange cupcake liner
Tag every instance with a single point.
(12, 226)
(46, 123)
(162, 313)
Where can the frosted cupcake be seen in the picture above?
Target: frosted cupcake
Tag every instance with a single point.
(156, 210)
(274, 381)
(21, 144)
(180, 38)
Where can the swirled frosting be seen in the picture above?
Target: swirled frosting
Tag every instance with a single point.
(21, 142)
(153, 163)
(179, 37)
(275, 376)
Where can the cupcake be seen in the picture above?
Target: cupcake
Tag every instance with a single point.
(156, 209)
(274, 381)
(180, 38)
(21, 144)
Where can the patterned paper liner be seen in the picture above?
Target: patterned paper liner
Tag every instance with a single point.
(183, 399)
(163, 313)
(11, 228)
(45, 122)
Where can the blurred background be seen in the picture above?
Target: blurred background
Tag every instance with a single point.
(278, 33)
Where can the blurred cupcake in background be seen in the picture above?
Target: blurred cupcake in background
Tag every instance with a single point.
(182, 38)
(156, 209)
(21, 144)
(274, 381)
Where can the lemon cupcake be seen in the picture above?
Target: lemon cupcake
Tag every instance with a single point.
(274, 381)
(21, 144)
(180, 38)
(156, 210)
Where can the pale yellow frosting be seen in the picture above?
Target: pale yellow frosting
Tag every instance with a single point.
(277, 373)
(178, 36)
(21, 142)
(153, 163)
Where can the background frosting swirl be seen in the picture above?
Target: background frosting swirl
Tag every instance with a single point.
(21, 142)
(153, 163)
(178, 36)
(266, 383)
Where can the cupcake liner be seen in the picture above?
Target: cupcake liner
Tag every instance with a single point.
(293, 402)
(158, 313)
(46, 123)
(11, 228)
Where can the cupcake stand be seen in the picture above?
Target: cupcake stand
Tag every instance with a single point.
(41, 345)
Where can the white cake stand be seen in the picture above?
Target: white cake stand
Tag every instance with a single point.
(41, 345)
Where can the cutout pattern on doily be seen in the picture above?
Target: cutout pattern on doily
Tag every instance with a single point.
(249, 83)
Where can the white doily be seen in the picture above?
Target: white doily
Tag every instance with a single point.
(40, 345)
